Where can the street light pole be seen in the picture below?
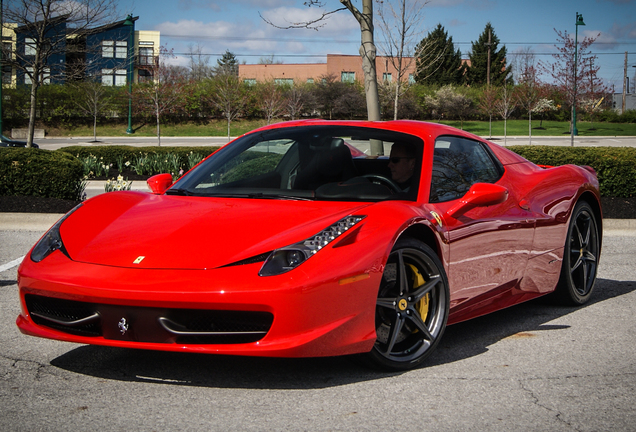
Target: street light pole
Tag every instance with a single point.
(1, 66)
(131, 50)
(575, 131)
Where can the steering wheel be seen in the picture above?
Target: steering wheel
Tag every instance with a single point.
(383, 180)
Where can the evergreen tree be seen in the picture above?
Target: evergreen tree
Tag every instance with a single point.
(478, 71)
(227, 65)
(437, 60)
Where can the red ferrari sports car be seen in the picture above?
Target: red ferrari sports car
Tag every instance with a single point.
(294, 241)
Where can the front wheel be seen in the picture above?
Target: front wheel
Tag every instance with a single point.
(580, 257)
(412, 307)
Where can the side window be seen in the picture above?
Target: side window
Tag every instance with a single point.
(458, 163)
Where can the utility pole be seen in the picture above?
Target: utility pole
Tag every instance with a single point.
(625, 89)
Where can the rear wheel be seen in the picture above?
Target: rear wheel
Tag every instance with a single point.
(580, 257)
(412, 307)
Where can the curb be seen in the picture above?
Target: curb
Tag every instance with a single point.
(43, 221)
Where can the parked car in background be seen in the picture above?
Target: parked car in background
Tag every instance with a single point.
(8, 142)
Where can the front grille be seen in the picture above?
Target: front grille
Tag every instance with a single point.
(157, 325)
(67, 316)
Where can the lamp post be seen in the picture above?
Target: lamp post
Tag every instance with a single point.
(1, 66)
(579, 21)
(131, 50)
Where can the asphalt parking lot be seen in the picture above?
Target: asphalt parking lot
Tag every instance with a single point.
(531, 367)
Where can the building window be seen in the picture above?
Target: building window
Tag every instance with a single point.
(108, 49)
(146, 56)
(144, 76)
(387, 77)
(310, 80)
(7, 50)
(29, 47)
(46, 76)
(121, 49)
(411, 79)
(284, 81)
(113, 77)
(347, 77)
(250, 81)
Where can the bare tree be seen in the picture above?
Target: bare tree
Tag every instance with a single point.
(573, 79)
(399, 29)
(296, 100)
(271, 99)
(527, 92)
(47, 26)
(487, 101)
(505, 105)
(94, 99)
(199, 63)
(162, 94)
(227, 93)
(367, 51)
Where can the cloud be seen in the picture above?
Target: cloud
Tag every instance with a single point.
(217, 5)
(604, 41)
(456, 23)
(473, 4)
(627, 31)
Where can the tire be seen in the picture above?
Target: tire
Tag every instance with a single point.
(412, 307)
(580, 258)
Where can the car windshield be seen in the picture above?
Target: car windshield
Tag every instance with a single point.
(307, 162)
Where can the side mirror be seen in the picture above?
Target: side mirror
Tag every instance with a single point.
(479, 195)
(159, 183)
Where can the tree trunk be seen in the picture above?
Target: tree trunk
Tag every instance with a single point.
(529, 127)
(32, 110)
(368, 54)
(397, 99)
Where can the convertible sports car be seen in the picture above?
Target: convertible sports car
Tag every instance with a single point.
(293, 241)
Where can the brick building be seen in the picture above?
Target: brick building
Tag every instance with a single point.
(345, 68)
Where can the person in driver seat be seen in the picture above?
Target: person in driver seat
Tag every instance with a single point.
(402, 164)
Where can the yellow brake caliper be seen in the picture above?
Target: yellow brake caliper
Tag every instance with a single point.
(418, 281)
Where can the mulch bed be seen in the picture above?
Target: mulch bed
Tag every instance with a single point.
(613, 208)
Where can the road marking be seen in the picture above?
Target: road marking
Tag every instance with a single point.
(10, 265)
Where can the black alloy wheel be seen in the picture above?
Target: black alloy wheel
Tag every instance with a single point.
(580, 257)
(412, 307)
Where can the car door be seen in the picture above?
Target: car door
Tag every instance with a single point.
(488, 245)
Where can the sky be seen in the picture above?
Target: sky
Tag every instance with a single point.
(214, 26)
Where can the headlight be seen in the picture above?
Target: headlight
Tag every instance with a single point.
(51, 241)
(288, 258)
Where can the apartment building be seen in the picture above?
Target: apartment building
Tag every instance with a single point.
(103, 53)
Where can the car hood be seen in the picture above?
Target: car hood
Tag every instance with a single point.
(140, 230)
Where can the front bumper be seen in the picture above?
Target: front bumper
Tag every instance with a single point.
(308, 312)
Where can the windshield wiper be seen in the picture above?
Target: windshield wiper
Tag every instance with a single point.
(177, 191)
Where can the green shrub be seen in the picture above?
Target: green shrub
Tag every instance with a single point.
(615, 166)
(97, 161)
(35, 172)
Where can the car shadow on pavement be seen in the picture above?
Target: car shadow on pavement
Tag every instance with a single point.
(461, 341)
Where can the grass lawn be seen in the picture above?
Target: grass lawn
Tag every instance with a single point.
(239, 127)
(546, 128)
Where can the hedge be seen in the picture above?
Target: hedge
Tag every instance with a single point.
(59, 174)
(111, 154)
(615, 166)
(43, 173)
